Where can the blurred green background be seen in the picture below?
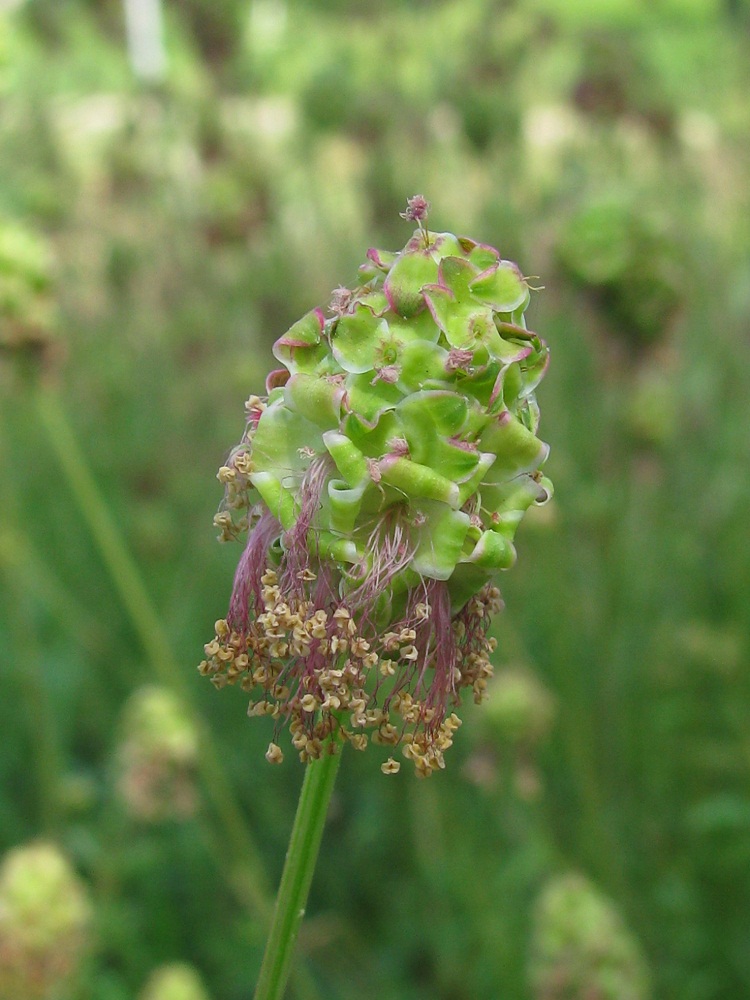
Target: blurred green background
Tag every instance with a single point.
(591, 836)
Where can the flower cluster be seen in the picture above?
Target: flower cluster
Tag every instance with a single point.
(381, 482)
(326, 673)
(581, 946)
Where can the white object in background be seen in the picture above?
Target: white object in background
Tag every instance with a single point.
(145, 31)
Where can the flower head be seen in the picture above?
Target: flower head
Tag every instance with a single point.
(157, 757)
(581, 946)
(45, 918)
(29, 319)
(380, 484)
(174, 982)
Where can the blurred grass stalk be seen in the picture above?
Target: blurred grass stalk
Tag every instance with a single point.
(144, 25)
(132, 591)
(21, 561)
(46, 750)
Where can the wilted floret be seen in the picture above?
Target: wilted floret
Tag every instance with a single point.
(417, 209)
(157, 757)
(44, 923)
(582, 948)
(174, 982)
(381, 482)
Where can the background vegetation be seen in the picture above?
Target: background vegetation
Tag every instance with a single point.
(154, 241)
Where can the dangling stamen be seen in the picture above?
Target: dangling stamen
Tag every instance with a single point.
(444, 653)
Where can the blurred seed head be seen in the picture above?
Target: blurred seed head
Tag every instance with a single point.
(518, 717)
(581, 948)
(174, 982)
(77, 793)
(628, 263)
(157, 757)
(45, 918)
(710, 647)
(653, 406)
(28, 315)
(520, 710)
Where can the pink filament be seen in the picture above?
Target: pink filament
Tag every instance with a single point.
(444, 651)
(296, 549)
(392, 551)
(251, 567)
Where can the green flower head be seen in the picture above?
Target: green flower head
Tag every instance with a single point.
(381, 481)
(177, 981)
(581, 946)
(28, 316)
(157, 757)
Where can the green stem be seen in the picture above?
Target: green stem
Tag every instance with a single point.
(26, 657)
(304, 844)
(92, 505)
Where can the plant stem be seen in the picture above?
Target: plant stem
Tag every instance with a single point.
(27, 668)
(301, 855)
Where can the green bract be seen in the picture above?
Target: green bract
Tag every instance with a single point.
(393, 458)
